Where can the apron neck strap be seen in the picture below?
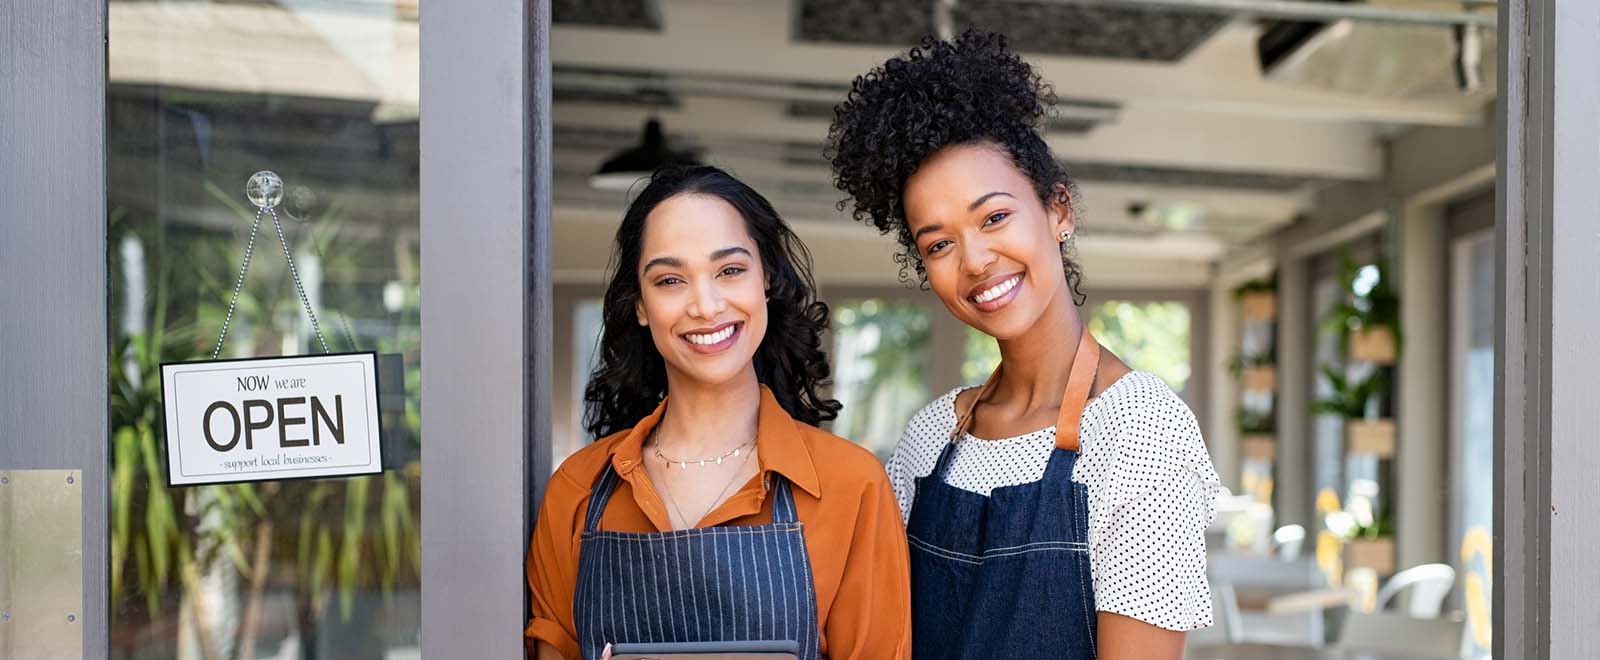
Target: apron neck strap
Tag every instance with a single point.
(1085, 365)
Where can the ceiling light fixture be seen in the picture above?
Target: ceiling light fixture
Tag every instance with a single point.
(627, 167)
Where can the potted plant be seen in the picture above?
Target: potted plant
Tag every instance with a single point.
(1370, 542)
(1256, 373)
(1366, 321)
(1258, 299)
(1354, 399)
(1256, 435)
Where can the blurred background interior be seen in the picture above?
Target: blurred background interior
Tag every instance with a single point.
(1287, 213)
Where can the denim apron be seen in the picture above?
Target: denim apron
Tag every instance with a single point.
(1007, 576)
(695, 585)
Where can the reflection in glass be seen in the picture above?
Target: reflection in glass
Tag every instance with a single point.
(1472, 431)
(201, 95)
(880, 356)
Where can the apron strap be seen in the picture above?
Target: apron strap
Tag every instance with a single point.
(1085, 365)
(783, 507)
(964, 420)
(599, 496)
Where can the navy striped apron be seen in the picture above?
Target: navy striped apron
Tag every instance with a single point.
(1007, 576)
(695, 585)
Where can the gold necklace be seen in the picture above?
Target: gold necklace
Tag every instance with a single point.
(667, 491)
(683, 463)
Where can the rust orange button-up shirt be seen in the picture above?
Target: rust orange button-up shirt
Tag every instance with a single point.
(852, 529)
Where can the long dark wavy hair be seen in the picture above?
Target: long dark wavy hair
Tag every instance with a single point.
(631, 377)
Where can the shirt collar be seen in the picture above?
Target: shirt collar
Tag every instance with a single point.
(781, 446)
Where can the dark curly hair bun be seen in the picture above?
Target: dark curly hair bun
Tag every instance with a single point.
(940, 93)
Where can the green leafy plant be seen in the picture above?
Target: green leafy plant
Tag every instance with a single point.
(1350, 397)
(1258, 285)
(1381, 526)
(1377, 307)
(1254, 422)
(1238, 363)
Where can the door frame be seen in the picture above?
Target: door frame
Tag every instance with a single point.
(485, 190)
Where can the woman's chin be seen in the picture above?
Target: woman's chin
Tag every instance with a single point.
(713, 371)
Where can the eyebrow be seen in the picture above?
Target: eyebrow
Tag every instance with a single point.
(662, 261)
(984, 198)
(675, 262)
(730, 251)
(970, 207)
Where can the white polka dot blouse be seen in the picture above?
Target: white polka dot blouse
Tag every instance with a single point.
(1152, 491)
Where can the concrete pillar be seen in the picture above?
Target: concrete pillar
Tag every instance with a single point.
(1422, 397)
(1222, 428)
(1292, 477)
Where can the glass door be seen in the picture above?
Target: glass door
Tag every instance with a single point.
(320, 256)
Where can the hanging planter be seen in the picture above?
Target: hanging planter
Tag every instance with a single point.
(1260, 379)
(1259, 305)
(1376, 553)
(1370, 437)
(1375, 344)
(1259, 446)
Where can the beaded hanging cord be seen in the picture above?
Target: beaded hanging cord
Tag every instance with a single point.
(265, 189)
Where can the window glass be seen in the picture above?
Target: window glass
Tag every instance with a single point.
(200, 96)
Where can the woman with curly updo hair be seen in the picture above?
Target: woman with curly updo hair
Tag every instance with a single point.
(1059, 509)
(712, 509)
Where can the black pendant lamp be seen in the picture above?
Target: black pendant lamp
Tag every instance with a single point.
(627, 167)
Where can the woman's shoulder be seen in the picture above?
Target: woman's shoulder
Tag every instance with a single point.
(583, 467)
(1145, 394)
(936, 419)
(1140, 426)
(839, 461)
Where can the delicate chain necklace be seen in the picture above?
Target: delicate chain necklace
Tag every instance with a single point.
(683, 463)
(734, 478)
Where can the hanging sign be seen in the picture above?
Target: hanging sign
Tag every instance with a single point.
(271, 418)
(259, 419)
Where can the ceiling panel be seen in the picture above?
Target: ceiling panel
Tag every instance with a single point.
(1037, 27)
(637, 14)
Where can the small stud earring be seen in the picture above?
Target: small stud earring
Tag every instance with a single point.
(1065, 235)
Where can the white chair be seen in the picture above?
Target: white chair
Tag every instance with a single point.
(1384, 632)
(1429, 584)
(1287, 541)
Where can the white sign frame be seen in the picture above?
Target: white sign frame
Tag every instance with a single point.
(249, 457)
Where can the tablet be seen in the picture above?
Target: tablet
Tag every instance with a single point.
(735, 650)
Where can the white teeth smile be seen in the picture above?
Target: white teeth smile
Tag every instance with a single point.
(998, 290)
(712, 338)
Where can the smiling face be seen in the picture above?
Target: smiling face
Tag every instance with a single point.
(991, 249)
(702, 289)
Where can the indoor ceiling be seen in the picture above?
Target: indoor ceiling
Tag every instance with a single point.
(1165, 117)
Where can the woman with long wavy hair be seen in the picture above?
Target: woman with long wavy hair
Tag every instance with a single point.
(712, 508)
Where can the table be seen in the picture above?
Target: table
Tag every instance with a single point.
(1271, 652)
